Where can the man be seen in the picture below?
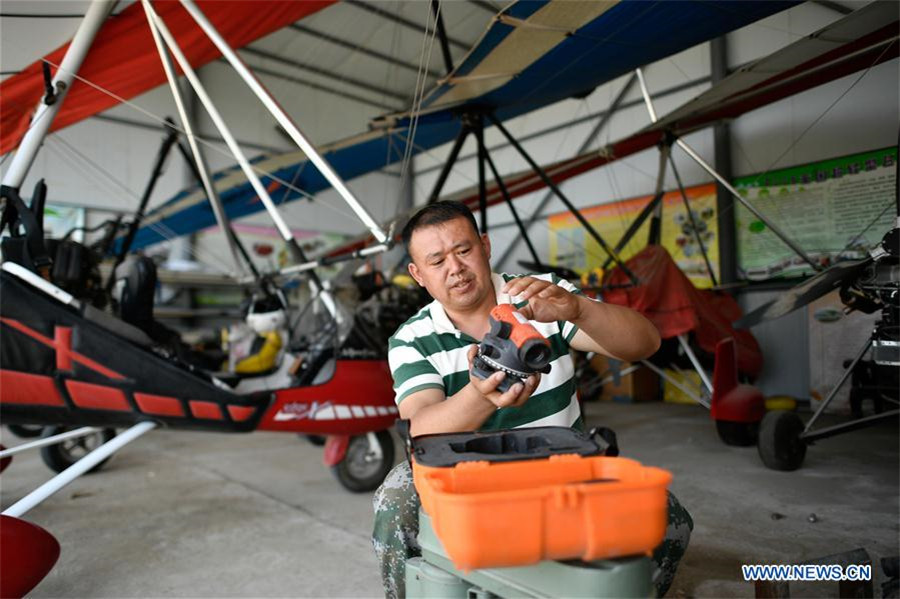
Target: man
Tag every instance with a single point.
(430, 358)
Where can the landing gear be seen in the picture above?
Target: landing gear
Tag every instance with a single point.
(60, 456)
(780, 445)
(368, 459)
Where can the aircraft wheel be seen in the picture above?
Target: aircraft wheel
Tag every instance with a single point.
(362, 469)
(62, 455)
(317, 440)
(25, 431)
(780, 445)
(737, 434)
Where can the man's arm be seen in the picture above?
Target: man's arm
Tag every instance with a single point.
(614, 331)
(431, 411)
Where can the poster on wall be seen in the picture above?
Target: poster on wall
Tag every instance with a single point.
(571, 246)
(834, 210)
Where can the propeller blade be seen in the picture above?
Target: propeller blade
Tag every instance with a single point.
(805, 293)
(560, 271)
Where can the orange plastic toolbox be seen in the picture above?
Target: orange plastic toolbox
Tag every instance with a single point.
(504, 511)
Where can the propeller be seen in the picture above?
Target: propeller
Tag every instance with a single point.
(806, 292)
(560, 271)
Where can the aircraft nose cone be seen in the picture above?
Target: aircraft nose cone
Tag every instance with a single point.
(36, 551)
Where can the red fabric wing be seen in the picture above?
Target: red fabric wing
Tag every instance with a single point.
(123, 59)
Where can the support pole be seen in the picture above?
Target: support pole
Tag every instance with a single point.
(285, 121)
(677, 384)
(442, 35)
(734, 192)
(727, 232)
(202, 170)
(653, 207)
(577, 213)
(655, 233)
(296, 251)
(837, 386)
(448, 164)
(509, 203)
(482, 186)
(18, 509)
(164, 149)
(690, 213)
(584, 147)
(65, 74)
(693, 358)
(188, 158)
(635, 225)
(52, 440)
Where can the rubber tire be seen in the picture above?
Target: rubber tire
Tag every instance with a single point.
(780, 446)
(25, 431)
(357, 447)
(317, 440)
(58, 458)
(737, 434)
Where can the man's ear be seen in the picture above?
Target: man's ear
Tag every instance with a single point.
(414, 273)
(486, 244)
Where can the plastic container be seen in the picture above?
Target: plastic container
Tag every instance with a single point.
(515, 513)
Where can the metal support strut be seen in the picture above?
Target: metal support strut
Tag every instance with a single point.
(201, 171)
(18, 509)
(690, 152)
(285, 121)
(575, 212)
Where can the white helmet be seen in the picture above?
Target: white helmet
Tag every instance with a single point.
(266, 315)
(265, 322)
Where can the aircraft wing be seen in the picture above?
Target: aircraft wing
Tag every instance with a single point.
(866, 37)
(123, 59)
(531, 55)
(862, 39)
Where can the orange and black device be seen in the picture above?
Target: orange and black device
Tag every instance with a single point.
(513, 346)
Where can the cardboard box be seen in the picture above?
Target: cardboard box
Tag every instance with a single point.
(624, 381)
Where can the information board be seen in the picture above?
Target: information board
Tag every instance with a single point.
(834, 209)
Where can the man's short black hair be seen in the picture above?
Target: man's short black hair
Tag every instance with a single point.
(436, 214)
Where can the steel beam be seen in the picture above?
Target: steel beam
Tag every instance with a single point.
(361, 49)
(384, 14)
(592, 136)
(722, 162)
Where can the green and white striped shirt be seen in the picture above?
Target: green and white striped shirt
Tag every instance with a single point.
(429, 352)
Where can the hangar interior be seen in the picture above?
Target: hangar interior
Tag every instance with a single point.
(204, 512)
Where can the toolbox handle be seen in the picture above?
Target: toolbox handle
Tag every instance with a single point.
(402, 426)
(605, 438)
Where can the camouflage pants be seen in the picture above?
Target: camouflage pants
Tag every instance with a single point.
(396, 505)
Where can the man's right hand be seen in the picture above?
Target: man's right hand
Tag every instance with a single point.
(514, 397)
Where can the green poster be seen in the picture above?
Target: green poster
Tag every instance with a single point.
(835, 209)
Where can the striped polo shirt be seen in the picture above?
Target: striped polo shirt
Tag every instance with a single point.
(429, 352)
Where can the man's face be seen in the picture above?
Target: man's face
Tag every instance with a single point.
(451, 261)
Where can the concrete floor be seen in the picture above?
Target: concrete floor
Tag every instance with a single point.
(198, 514)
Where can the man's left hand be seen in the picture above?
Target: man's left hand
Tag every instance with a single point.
(546, 301)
